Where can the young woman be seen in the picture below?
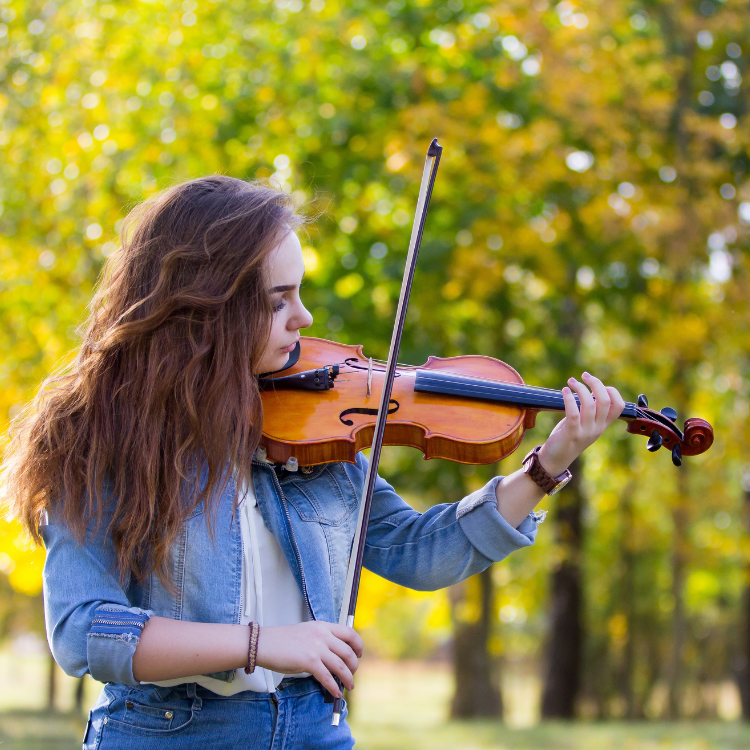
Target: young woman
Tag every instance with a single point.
(168, 537)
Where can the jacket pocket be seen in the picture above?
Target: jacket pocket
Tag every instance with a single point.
(329, 498)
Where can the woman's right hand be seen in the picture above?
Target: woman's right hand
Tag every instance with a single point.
(321, 648)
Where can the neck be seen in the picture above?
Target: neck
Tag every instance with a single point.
(530, 397)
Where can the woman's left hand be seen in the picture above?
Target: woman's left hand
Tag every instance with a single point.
(600, 406)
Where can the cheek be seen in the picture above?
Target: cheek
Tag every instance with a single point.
(277, 328)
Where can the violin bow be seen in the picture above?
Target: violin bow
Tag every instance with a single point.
(354, 573)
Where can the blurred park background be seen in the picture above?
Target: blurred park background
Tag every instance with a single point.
(592, 211)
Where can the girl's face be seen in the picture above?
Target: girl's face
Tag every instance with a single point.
(285, 271)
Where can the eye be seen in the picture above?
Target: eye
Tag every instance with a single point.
(280, 306)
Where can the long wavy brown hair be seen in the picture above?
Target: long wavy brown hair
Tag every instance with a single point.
(161, 405)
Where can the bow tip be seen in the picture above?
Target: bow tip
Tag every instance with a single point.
(434, 149)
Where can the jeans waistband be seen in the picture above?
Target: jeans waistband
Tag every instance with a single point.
(299, 686)
(289, 687)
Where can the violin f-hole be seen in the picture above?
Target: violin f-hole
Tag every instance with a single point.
(349, 422)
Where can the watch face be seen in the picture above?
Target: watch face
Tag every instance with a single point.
(560, 484)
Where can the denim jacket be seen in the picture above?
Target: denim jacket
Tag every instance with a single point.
(94, 623)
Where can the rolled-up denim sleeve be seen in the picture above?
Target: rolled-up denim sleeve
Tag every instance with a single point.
(111, 641)
(443, 545)
(91, 626)
(487, 530)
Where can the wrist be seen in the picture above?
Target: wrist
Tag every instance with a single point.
(236, 641)
(252, 648)
(550, 484)
(554, 466)
(261, 654)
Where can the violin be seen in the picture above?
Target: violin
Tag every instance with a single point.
(471, 409)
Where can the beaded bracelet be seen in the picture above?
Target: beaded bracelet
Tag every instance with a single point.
(252, 648)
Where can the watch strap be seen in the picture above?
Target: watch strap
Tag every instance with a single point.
(538, 474)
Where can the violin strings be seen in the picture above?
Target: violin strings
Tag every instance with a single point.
(542, 391)
(549, 396)
(639, 412)
(509, 391)
(539, 389)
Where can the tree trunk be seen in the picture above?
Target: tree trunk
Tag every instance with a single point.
(80, 688)
(562, 675)
(627, 599)
(51, 683)
(477, 692)
(679, 621)
(742, 662)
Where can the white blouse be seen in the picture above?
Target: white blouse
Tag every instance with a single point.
(270, 596)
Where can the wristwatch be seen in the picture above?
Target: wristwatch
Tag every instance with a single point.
(543, 479)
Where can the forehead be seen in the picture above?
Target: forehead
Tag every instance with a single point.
(285, 263)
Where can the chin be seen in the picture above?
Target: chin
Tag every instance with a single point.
(275, 364)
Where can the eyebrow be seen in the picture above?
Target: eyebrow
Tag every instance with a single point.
(284, 288)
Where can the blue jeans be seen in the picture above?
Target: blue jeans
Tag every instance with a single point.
(190, 716)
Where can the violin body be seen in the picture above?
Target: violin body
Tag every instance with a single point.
(311, 428)
(471, 427)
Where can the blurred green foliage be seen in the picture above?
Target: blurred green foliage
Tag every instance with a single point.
(591, 211)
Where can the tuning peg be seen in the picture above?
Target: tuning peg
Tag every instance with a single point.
(676, 455)
(654, 442)
(669, 413)
(643, 401)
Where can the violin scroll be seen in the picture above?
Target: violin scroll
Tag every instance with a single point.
(661, 430)
(699, 436)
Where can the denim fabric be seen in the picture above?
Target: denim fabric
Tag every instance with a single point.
(93, 622)
(189, 716)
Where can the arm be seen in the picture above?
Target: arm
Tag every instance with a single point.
(169, 649)
(445, 544)
(92, 627)
(448, 543)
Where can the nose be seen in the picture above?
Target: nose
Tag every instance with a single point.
(302, 320)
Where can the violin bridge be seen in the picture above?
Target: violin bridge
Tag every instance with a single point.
(369, 380)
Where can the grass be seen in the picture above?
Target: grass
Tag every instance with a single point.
(39, 730)
(395, 706)
(556, 736)
(405, 706)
